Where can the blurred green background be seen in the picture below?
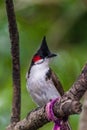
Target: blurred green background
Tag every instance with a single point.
(65, 25)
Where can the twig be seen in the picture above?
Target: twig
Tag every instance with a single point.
(14, 37)
(68, 105)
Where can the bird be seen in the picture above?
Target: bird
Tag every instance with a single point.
(42, 83)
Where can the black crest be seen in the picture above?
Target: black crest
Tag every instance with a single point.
(44, 50)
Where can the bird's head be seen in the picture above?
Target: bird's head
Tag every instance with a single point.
(43, 53)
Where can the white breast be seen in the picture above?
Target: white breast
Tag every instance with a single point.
(41, 90)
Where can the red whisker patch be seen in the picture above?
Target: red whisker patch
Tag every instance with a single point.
(36, 58)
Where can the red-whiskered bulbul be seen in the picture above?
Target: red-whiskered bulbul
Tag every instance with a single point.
(42, 83)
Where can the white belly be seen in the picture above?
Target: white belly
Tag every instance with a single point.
(41, 91)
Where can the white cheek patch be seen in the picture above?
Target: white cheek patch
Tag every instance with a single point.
(39, 61)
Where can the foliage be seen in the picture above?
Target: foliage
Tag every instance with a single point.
(64, 24)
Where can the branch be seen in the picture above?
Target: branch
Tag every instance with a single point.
(79, 87)
(68, 105)
(14, 37)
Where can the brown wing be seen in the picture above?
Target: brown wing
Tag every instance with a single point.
(51, 75)
(57, 83)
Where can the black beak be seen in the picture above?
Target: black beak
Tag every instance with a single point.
(51, 55)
